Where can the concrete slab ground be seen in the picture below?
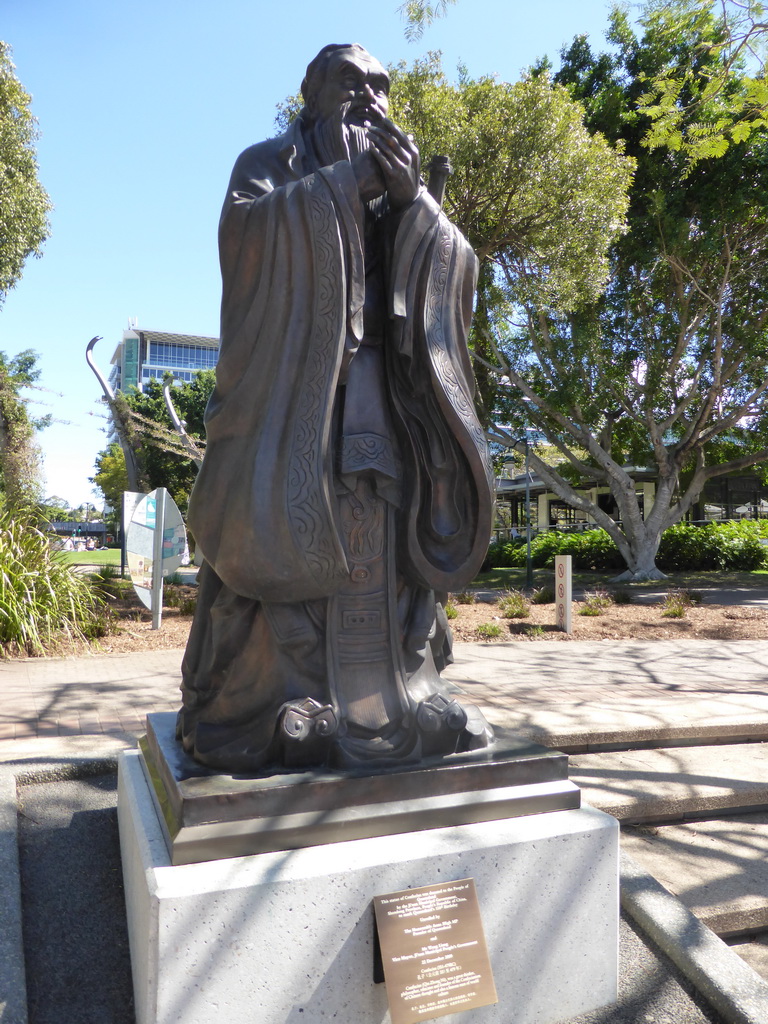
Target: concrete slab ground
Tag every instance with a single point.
(589, 694)
(651, 785)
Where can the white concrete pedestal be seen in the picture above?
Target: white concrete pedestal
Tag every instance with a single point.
(283, 938)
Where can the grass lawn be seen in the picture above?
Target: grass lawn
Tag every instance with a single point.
(109, 557)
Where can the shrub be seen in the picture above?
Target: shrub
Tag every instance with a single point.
(488, 630)
(515, 605)
(451, 611)
(592, 550)
(40, 596)
(714, 546)
(621, 597)
(534, 632)
(543, 595)
(503, 554)
(595, 603)
(108, 582)
(734, 545)
(675, 605)
(465, 597)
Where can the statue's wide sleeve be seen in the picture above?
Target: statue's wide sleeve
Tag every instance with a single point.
(261, 509)
(448, 512)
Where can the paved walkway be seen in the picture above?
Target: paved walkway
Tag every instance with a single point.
(569, 693)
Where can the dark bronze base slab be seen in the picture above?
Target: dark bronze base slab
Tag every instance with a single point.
(207, 815)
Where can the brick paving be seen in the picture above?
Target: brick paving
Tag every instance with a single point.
(105, 697)
(535, 688)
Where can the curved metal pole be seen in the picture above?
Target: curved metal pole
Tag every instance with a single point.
(131, 465)
(180, 427)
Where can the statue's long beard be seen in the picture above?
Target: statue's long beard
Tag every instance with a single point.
(335, 139)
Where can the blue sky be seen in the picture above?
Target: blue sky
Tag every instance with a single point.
(143, 107)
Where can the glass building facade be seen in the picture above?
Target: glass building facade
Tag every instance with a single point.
(143, 355)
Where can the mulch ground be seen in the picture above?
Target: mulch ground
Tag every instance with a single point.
(480, 621)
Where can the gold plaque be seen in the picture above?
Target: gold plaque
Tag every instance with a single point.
(433, 951)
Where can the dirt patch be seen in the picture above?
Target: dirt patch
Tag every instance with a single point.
(132, 625)
(617, 622)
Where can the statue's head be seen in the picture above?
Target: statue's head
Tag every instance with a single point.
(345, 78)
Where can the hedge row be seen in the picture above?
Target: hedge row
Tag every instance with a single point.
(731, 545)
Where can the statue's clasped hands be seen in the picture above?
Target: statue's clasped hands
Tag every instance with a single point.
(397, 165)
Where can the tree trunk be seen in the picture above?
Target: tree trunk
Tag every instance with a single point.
(641, 561)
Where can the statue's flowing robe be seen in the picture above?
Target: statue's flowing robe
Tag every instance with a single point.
(264, 510)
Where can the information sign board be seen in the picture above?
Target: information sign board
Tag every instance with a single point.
(433, 951)
(155, 534)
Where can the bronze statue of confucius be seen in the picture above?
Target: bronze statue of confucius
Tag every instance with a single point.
(346, 485)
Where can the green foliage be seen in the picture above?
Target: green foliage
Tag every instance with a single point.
(19, 455)
(108, 582)
(41, 599)
(489, 630)
(701, 109)
(515, 605)
(418, 14)
(732, 545)
(677, 602)
(24, 204)
(669, 368)
(465, 597)
(543, 595)
(500, 555)
(111, 478)
(592, 550)
(166, 463)
(55, 510)
(535, 632)
(538, 196)
(595, 603)
(451, 611)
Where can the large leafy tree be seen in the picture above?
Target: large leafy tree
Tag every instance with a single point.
(538, 196)
(702, 114)
(670, 368)
(24, 204)
(19, 454)
(699, 116)
(111, 478)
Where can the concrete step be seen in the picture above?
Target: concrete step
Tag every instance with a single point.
(754, 952)
(717, 868)
(717, 863)
(670, 723)
(673, 783)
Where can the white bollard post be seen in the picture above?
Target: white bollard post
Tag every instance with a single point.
(563, 587)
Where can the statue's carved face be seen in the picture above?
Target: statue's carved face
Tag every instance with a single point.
(355, 78)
